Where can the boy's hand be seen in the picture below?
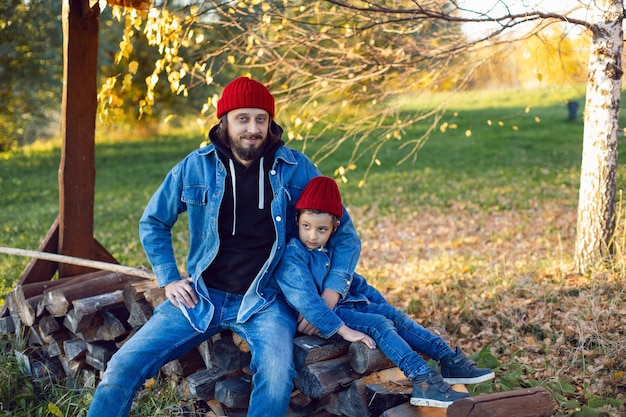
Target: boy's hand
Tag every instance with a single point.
(351, 335)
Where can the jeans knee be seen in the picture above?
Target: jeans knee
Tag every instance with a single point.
(384, 326)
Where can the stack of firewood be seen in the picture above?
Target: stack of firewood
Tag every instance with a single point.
(74, 325)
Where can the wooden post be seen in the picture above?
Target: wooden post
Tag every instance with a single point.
(71, 234)
(77, 170)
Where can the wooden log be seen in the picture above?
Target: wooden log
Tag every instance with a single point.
(381, 397)
(9, 302)
(185, 365)
(322, 378)
(201, 384)
(72, 367)
(216, 408)
(26, 307)
(48, 325)
(76, 322)
(87, 378)
(74, 348)
(311, 349)
(89, 305)
(301, 403)
(206, 352)
(228, 356)
(353, 401)
(34, 338)
(6, 325)
(55, 341)
(364, 360)
(99, 353)
(109, 328)
(58, 300)
(241, 343)
(408, 410)
(41, 287)
(155, 296)
(139, 309)
(32, 289)
(322, 413)
(234, 392)
(532, 402)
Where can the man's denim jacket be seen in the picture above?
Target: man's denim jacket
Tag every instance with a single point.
(303, 275)
(196, 185)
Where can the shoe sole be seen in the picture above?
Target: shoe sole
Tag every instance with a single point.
(424, 402)
(474, 380)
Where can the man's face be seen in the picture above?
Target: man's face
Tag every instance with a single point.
(247, 131)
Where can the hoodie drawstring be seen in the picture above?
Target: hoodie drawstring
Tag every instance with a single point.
(233, 181)
(261, 184)
(231, 166)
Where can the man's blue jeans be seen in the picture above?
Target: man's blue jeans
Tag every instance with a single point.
(396, 334)
(168, 335)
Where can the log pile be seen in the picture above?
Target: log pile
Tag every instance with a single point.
(74, 325)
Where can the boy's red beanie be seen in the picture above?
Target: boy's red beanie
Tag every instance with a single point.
(321, 193)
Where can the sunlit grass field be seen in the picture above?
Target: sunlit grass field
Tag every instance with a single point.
(496, 150)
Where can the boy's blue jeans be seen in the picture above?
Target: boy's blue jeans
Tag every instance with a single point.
(396, 334)
(168, 335)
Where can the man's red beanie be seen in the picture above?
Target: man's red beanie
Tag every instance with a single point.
(321, 193)
(244, 92)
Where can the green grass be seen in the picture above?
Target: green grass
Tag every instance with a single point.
(532, 155)
(521, 148)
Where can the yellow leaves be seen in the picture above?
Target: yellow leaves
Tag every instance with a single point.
(445, 126)
(55, 410)
(230, 59)
(151, 81)
(292, 135)
(127, 83)
(133, 66)
(343, 171)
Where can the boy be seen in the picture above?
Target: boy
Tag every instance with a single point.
(357, 311)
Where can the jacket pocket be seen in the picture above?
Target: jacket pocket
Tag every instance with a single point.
(195, 194)
(195, 198)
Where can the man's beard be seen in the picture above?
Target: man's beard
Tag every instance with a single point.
(247, 153)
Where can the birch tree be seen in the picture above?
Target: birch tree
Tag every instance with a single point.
(353, 57)
(596, 203)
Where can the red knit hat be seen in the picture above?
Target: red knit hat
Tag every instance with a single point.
(245, 92)
(321, 193)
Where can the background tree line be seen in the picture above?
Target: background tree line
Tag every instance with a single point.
(31, 61)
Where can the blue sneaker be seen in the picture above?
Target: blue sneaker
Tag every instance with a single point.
(433, 391)
(457, 369)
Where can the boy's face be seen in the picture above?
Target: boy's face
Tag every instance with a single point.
(315, 228)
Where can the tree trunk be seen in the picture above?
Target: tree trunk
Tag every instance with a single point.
(596, 203)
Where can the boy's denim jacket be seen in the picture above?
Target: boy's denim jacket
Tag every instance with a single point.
(196, 185)
(302, 276)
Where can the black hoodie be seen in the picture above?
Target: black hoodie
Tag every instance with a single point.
(245, 225)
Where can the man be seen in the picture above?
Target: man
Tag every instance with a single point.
(239, 194)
